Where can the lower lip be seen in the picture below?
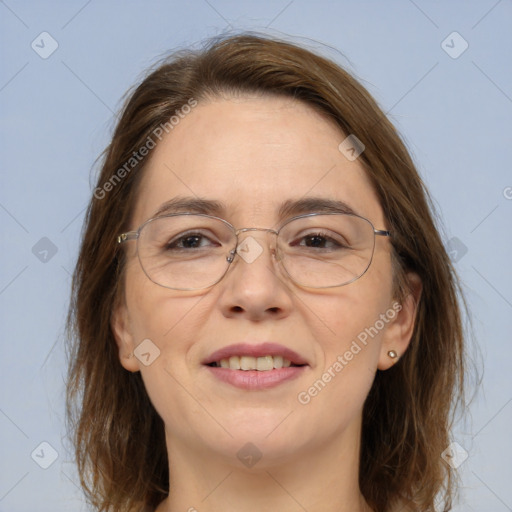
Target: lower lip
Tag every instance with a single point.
(254, 379)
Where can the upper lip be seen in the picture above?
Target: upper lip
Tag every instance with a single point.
(255, 350)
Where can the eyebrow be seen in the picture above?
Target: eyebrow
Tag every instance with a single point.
(191, 205)
(289, 208)
(292, 208)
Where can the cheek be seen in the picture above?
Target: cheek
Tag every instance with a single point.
(155, 312)
(348, 354)
(350, 326)
(172, 319)
(171, 323)
(347, 316)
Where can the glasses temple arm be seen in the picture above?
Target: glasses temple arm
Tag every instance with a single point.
(125, 237)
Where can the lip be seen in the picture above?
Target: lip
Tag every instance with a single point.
(253, 350)
(253, 380)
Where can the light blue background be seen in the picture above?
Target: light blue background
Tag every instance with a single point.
(56, 116)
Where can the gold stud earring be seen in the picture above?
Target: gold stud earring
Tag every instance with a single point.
(392, 354)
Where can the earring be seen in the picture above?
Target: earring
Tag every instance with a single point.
(392, 354)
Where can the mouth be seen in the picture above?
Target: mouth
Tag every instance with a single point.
(261, 364)
(261, 357)
(255, 367)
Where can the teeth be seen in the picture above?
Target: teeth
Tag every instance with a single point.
(265, 363)
(261, 364)
(247, 363)
(278, 361)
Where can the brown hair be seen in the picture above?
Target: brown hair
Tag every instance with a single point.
(110, 415)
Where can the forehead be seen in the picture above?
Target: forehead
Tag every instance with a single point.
(251, 155)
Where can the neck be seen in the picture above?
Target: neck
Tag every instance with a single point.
(320, 478)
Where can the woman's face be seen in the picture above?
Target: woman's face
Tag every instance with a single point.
(251, 155)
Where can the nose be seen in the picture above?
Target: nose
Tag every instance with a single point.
(254, 287)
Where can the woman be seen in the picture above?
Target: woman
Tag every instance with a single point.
(264, 316)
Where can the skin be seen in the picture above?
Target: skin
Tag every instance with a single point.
(252, 153)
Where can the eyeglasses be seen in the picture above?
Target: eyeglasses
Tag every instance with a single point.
(187, 251)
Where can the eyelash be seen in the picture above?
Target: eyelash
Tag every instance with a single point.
(169, 245)
(173, 244)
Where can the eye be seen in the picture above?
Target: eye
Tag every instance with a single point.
(321, 240)
(191, 240)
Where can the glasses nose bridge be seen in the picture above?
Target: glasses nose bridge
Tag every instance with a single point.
(245, 230)
(239, 243)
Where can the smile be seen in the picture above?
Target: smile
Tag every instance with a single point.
(255, 366)
(246, 363)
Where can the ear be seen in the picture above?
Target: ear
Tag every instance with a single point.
(400, 328)
(120, 324)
